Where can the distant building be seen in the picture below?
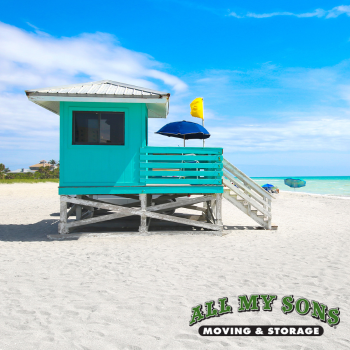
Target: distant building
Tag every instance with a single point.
(22, 170)
(41, 164)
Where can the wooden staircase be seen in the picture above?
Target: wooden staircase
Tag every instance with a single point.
(247, 195)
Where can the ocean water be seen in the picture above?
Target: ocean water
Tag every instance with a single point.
(331, 185)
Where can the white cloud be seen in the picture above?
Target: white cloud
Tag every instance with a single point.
(37, 60)
(333, 13)
(30, 60)
(276, 109)
(25, 125)
(338, 10)
(294, 84)
(322, 133)
(267, 15)
(234, 14)
(245, 110)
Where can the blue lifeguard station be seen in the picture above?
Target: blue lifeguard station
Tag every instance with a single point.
(104, 151)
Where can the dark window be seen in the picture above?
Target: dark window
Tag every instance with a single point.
(98, 128)
(86, 127)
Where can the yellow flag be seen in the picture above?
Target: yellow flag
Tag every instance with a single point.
(197, 108)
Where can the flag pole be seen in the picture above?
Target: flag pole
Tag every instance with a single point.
(203, 119)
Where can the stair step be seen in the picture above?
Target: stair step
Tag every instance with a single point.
(231, 195)
(256, 213)
(235, 196)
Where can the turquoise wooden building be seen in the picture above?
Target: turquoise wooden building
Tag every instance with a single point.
(104, 151)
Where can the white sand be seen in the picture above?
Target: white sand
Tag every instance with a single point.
(132, 292)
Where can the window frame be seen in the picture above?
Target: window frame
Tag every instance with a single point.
(99, 129)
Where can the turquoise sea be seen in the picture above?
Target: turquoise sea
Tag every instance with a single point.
(331, 185)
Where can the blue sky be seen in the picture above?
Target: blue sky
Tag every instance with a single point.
(275, 76)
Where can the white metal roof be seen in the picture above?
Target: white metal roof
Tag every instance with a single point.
(22, 170)
(102, 91)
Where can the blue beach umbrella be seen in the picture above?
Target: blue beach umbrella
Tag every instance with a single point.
(267, 186)
(184, 130)
(294, 183)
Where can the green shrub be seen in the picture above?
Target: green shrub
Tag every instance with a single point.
(13, 181)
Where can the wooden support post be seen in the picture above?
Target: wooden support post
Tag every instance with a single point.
(205, 210)
(90, 212)
(78, 210)
(207, 213)
(210, 213)
(143, 224)
(212, 204)
(71, 211)
(148, 204)
(62, 226)
(219, 210)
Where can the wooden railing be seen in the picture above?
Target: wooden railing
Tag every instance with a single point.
(181, 165)
(254, 197)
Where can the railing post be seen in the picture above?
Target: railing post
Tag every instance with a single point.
(269, 222)
(219, 210)
(249, 204)
(146, 169)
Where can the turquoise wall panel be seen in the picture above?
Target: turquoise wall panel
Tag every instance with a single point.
(102, 165)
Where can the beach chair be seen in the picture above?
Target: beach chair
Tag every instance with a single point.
(190, 161)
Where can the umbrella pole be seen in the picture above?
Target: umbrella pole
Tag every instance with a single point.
(203, 125)
(184, 141)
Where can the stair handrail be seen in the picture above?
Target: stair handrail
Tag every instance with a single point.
(244, 189)
(246, 197)
(243, 177)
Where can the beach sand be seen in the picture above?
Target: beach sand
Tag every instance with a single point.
(136, 292)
